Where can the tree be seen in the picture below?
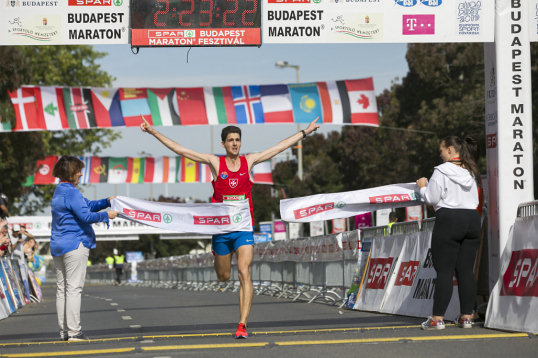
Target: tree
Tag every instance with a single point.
(44, 65)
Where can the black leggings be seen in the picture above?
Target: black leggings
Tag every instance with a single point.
(455, 240)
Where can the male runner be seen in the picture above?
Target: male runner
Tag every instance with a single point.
(231, 181)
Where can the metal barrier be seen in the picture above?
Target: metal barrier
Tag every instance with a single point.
(427, 224)
(316, 269)
(404, 227)
(527, 209)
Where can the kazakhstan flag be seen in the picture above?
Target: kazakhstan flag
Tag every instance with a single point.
(305, 101)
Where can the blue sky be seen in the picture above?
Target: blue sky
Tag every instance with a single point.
(180, 67)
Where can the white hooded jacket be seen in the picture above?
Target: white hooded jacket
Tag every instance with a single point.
(451, 187)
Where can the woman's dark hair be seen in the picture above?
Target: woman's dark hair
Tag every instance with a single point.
(228, 130)
(66, 168)
(468, 149)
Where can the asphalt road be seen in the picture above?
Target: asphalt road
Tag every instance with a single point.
(125, 321)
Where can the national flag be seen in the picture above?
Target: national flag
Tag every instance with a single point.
(362, 101)
(99, 170)
(117, 170)
(163, 106)
(86, 171)
(224, 105)
(79, 108)
(43, 173)
(262, 173)
(106, 105)
(50, 104)
(276, 104)
(149, 170)
(5, 126)
(305, 101)
(204, 173)
(211, 107)
(330, 101)
(191, 103)
(164, 170)
(26, 111)
(29, 181)
(343, 97)
(189, 171)
(135, 170)
(247, 103)
(134, 103)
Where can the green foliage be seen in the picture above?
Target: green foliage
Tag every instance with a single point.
(54, 66)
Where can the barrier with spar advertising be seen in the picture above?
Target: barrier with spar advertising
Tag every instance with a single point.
(18, 286)
(400, 277)
(513, 304)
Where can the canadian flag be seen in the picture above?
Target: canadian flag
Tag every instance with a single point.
(362, 102)
(262, 173)
(25, 105)
(43, 173)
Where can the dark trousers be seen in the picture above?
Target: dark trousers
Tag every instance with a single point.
(119, 272)
(455, 240)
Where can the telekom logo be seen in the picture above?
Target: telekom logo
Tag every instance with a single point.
(418, 25)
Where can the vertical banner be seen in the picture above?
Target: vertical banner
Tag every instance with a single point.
(514, 113)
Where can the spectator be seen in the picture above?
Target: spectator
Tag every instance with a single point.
(5, 241)
(392, 219)
(16, 242)
(29, 247)
(118, 265)
(4, 213)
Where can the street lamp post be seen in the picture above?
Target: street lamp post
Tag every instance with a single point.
(285, 64)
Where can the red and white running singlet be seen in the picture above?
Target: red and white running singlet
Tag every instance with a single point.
(232, 186)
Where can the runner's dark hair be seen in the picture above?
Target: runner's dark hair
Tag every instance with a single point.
(228, 130)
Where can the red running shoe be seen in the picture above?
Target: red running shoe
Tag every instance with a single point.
(241, 331)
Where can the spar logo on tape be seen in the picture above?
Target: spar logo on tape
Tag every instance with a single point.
(212, 220)
(392, 198)
(520, 277)
(407, 273)
(313, 210)
(142, 215)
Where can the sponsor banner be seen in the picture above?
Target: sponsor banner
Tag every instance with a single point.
(533, 20)
(513, 304)
(413, 280)
(72, 22)
(206, 218)
(346, 204)
(388, 21)
(196, 37)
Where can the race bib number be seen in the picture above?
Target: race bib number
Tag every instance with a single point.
(232, 198)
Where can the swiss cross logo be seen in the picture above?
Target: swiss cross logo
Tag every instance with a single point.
(379, 273)
(418, 25)
(212, 220)
(407, 273)
(313, 210)
(233, 182)
(142, 215)
(392, 198)
(520, 277)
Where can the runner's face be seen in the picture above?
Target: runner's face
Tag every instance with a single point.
(232, 144)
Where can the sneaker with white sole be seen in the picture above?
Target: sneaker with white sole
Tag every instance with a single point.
(78, 338)
(465, 322)
(430, 324)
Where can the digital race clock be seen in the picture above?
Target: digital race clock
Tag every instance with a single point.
(195, 22)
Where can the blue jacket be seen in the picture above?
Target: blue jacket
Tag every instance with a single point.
(72, 216)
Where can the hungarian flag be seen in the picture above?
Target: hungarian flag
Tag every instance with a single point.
(26, 110)
(135, 170)
(163, 106)
(43, 173)
(79, 108)
(262, 173)
(191, 103)
(99, 170)
(50, 103)
(106, 105)
(117, 170)
(134, 103)
(363, 105)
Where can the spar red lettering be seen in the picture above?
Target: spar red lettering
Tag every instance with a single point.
(212, 220)
(312, 210)
(520, 277)
(407, 273)
(379, 272)
(90, 2)
(391, 198)
(142, 215)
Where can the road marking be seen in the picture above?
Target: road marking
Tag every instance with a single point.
(401, 339)
(126, 318)
(135, 326)
(206, 346)
(113, 304)
(70, 353)
(108, 299)
(121, 310)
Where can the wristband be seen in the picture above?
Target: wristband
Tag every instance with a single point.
(304, 133)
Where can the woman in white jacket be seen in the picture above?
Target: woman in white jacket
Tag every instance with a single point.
(453, 193)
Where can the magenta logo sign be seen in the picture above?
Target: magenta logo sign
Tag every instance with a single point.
(418, 25)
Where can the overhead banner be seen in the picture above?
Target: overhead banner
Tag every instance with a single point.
(345, 102)
(347, 21)
(64, 22)
(343, 205)
(204, 218)
(513, 304)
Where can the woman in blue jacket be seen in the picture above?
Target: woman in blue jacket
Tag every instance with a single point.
(72, 237)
